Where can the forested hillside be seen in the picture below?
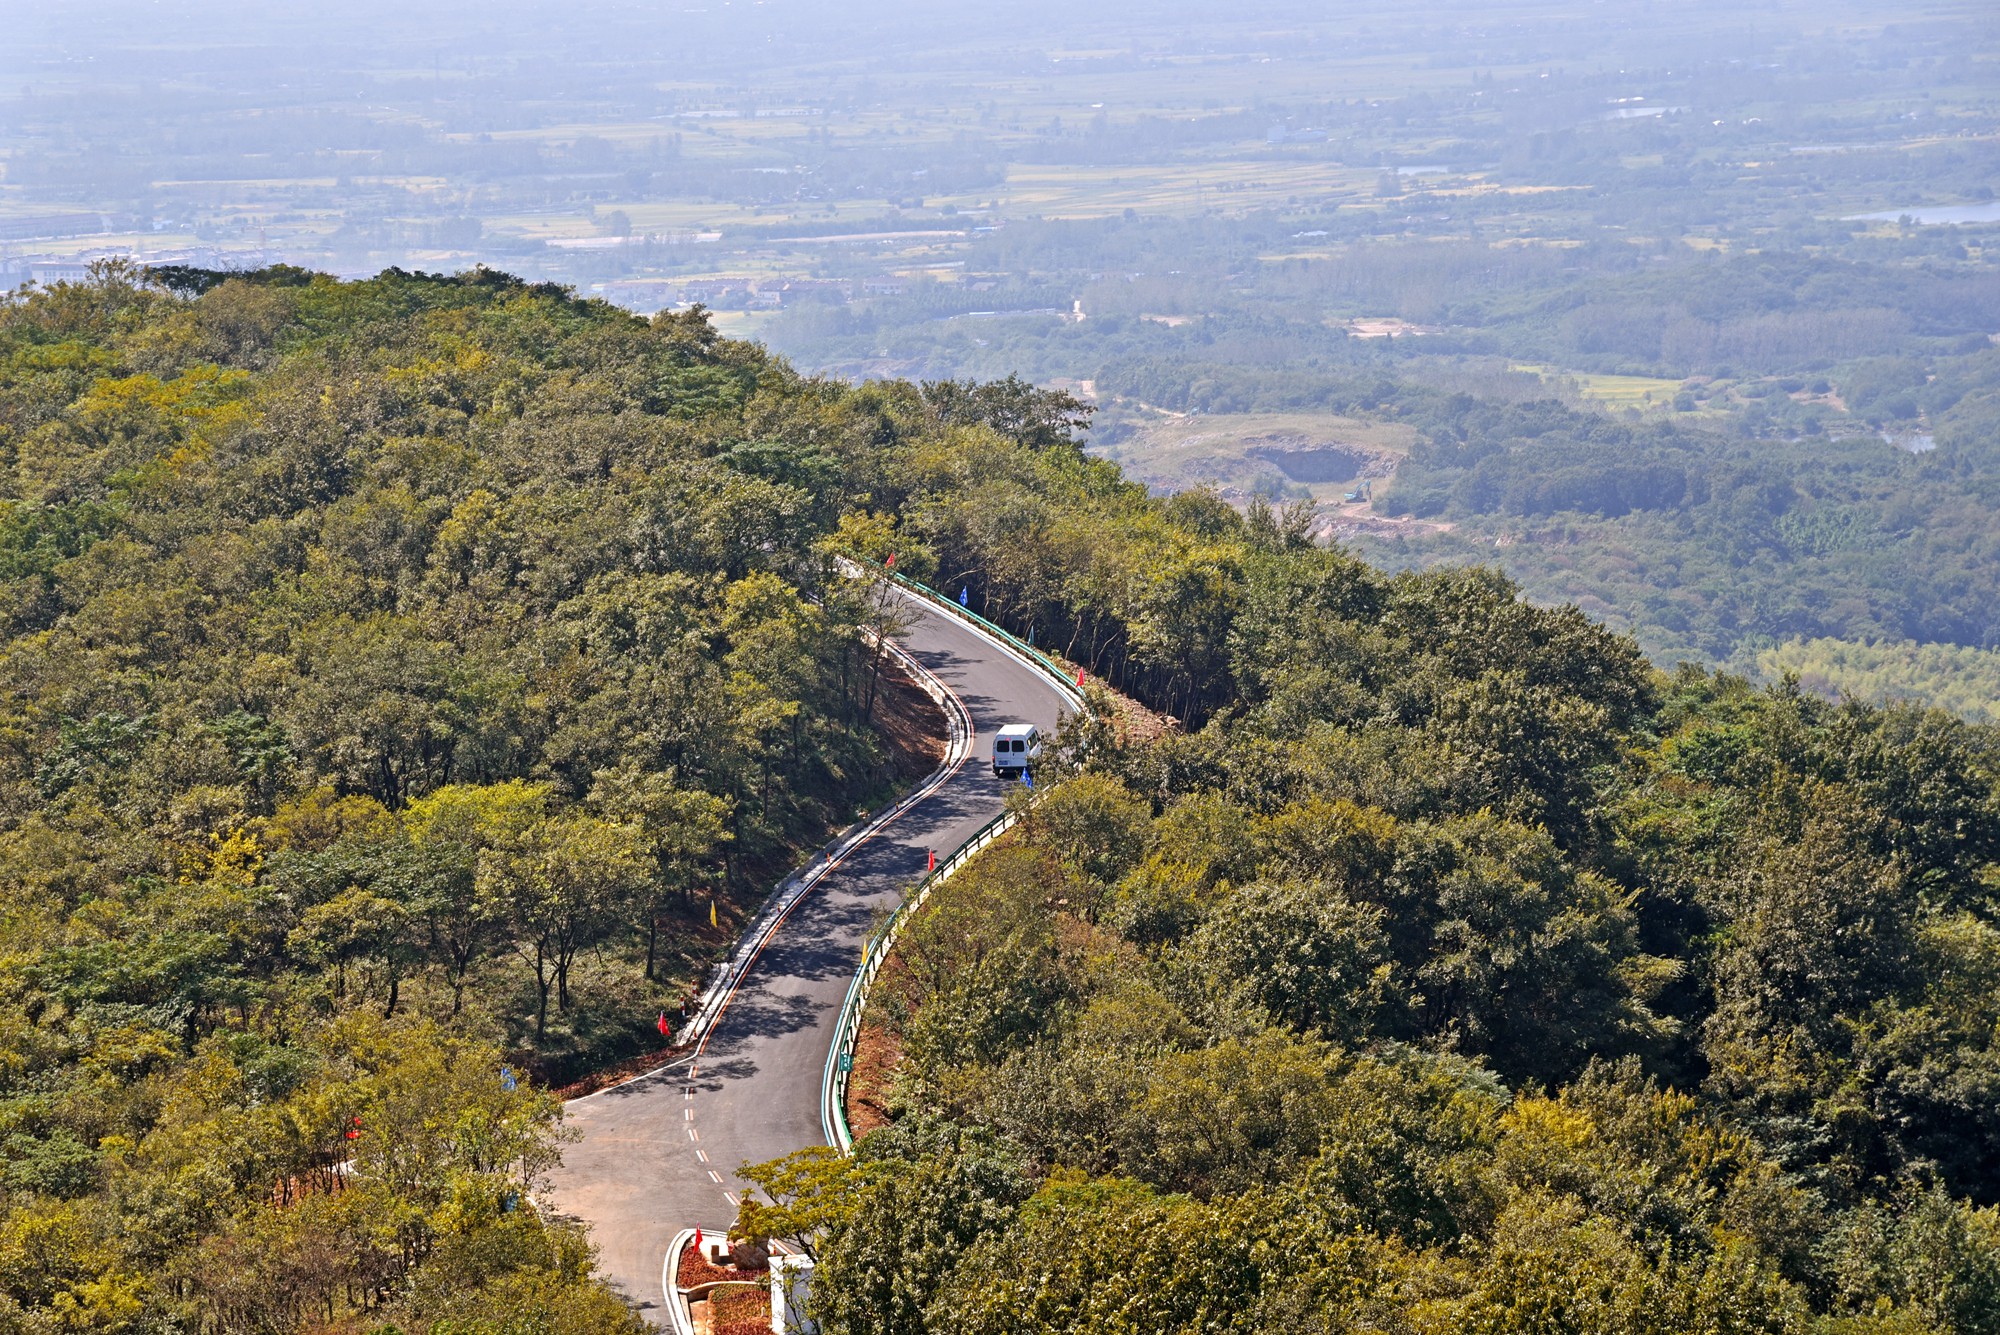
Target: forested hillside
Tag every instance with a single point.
(1455, 971)
(405, 686)
(398, 674)
(1755, 509)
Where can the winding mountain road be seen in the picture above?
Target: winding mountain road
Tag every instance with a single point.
(659, 1153)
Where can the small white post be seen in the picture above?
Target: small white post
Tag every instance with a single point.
(791, 1285)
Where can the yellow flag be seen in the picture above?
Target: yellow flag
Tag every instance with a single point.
(711, 914)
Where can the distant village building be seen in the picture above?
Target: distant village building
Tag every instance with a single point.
(791, 291)
(718, 293)
(644, 295)
(46, 273)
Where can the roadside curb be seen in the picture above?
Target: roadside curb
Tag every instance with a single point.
(729, 976)
(670, 1275)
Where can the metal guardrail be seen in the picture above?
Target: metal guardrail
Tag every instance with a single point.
(1021, 649)
(840, 1057)
(847, 1030)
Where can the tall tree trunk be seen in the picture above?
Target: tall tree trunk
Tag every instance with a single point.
(541, 991)
(874, 678)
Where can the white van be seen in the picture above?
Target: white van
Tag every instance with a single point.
(1015, 749)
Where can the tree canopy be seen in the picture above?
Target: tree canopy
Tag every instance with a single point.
(395, 675)
(1452, 969)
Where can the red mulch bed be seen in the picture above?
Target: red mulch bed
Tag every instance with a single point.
(742, 1312)
(911, 723)
(695, 1269)
(876, 1053)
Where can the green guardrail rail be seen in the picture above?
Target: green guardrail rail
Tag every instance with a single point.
(840, 1054)
(1036, 657)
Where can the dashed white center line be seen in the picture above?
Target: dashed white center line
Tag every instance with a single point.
(701, 1155)
(693, 1134)
(687, 1115)
(730, 1196)
(715, 1177)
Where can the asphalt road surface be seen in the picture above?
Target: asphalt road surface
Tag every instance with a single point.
(660, 1153)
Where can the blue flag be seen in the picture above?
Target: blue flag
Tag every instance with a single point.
(964, 597)
(1027, 778)
(507, 1078)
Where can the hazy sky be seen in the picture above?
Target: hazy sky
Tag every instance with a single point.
(166, 39)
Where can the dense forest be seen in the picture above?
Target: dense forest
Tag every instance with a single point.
(405, 685)
(1454, 970)
(1781, 221)
(1714, 539)
(398, 674)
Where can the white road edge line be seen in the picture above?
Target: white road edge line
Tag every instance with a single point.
(716, 996)
(730, 975)
(716, 999)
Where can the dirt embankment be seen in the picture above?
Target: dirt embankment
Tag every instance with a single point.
(1353, 521)
(877, 1050)
(911, 724)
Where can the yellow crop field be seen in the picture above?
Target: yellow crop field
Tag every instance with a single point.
(1097, 192)
(1619, 391)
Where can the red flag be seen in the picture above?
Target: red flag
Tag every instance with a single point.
(1079, 679)
(664, 1026)
(697, 1240)
(891, 562)
(933, 866)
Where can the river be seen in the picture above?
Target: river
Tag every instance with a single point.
(1935, 214)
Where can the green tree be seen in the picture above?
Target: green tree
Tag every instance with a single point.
(677, 829)
(912, 1223)
(564, 886)
(458, 837)
(1302, 954)
(354, 925)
